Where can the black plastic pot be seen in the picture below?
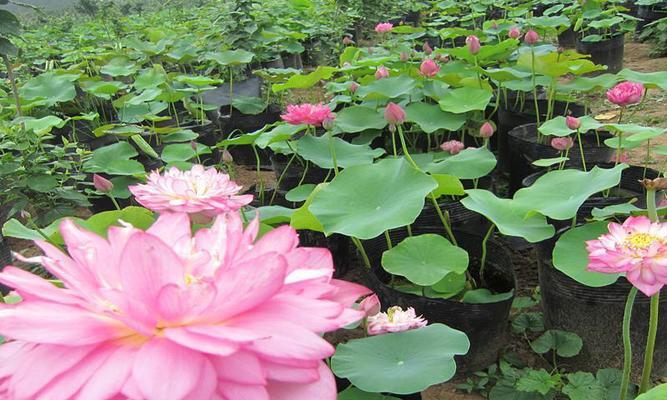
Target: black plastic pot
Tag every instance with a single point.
(596, 315)
(630, 188)
(606, 52)
(275, 63)
(295, 173)
(458, 215)
(650, 14)
(292, 60)
(5, 253)
(485, 324)
(568, 38)
(512, 113)
(524, 149)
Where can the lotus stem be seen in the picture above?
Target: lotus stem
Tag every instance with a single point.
(115, 203)
(581, 150)
(386, 236)
(12, 80)
(627, 343)
(280, 178)
(482, 263)
(332, 150)
(534, 78)
(360, 247)
(650, 344)
(259, 175)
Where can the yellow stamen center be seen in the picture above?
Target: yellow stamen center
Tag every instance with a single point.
(391, 311)
(639, 241)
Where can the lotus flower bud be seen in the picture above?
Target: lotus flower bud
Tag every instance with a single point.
(427, 49)
(429, 68)
(473, 44)
(572, 122)
(562, 143)
(381, 72)
(102, 184)
(531, 37)
(227, 157)
(487, 130)
(514, 33)
(394, 114)
(328, 124)
(353, 87)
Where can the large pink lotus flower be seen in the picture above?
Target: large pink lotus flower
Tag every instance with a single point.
(637, 248)
(205, 192)
(308, 114)
(166, 315)
(384, 27)
(626, 93)
(394, 320)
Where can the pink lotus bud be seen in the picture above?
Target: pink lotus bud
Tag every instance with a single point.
(384, 27)
(347, 41)
(370, 305)
(353, 87)
(427, 49)
(394, 114)
(381, 72)
(453, 147)
(531, 37)
(572, 122)
(487, 130)
(429, 68)
(514, 33)
(473, 44)
(562, 143)
(560, 50)
(626, 93)
(404, 56)
(102, 184)
(193, 145)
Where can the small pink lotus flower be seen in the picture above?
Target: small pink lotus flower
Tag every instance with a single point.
(572, 122)
(394, 320)
(531, 37)
(514, 33)
(384, 27)
(473, 44)
(353, 87)
(453, 147)
(626, 93)
(370, 305)
(308, 114)
(429, 68)
(200, 191)
(102, 184)
(637, 248)
(167, 315)
(381, 72)
(394, 114)
(562, 143)
(427, 49)
(487, 130)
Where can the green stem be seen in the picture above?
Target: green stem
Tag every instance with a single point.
(619, 150)
(113, 200)
(651, 206)
(231, 92)
(332, 150)
(627, 343)
(280, 178)
(259, 174)
(443, 219)
(650, 344)
(12, 80)
(393, 141)
(405, 148)
(361, 249)
(581, 150)
(388, 238)
(534, 78)
(482, 262)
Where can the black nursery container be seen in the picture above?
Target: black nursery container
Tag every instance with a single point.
(484, 324)
(513, 113)
(5, 252)
(606, 52)
(567, 39)
(294, 176)
(596, 315)
(650, 14)
(524, 149)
